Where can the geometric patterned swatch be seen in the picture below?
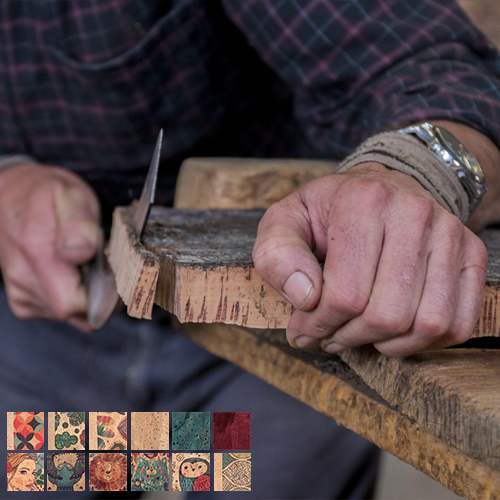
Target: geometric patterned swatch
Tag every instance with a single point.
(149, 471)
(149, 431)
(25, 472)
(190, 471)
(65, 471)
(25, 430)
(108, 430)
(232, 431)
(191, 431)
(108, 472)
(66, 430)
(232, 472)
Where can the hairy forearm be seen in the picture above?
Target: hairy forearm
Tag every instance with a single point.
(488, 156)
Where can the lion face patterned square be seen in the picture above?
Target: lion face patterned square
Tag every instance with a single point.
(25, 430)
(149, 471)
(149, 431)
(108, 430)
(232, 431)
(66, 430)
(190, 471)
(108, 472)
(25, 472)
(65, 471)
(232, 472)
(191, 431)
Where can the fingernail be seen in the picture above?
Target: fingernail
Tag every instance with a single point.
(334, 348)
(303, 342)
(298, 287)
(76, 241)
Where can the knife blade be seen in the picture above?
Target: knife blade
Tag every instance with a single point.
(98, 277)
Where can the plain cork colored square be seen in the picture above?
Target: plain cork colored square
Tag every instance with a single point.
(149, 431)
(232, 472)
(232, 431)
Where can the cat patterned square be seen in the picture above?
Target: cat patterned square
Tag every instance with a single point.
(191, 431)
(66, 430)
(65, 471)
(108, 430)
(108, 472)
(232, 472)
(149, 471)
(25, 472)
(25, 430)
(149, 431)
(190, 471)
(232, 431)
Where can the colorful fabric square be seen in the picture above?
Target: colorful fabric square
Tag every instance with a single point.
(65, 471)
(108, 430)
(232, 431)
(190, 471)
(149, 430)
(25, 430)
(191, 431)
(149, 471)
(232, 472)
(108, 472)
(66, 430)
(25, 472)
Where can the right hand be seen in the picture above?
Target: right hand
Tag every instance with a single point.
(49, 224)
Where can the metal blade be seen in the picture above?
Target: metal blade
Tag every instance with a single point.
(148, 191)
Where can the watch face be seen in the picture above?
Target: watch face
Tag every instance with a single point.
(459, 151)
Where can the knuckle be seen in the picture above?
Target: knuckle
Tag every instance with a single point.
(21, 311)
(432, 327)
(266, 252)
(420, 208)
(393, 323)
(369, 192)
(348, 300)
(62, 310)
(459, 335)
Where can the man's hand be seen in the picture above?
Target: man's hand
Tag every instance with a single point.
(400, 271)
(49, 223)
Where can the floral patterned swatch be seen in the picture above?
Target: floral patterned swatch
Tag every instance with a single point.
(25, 472)
(232, 472)
(108, 430)
(25, 430)
(65, 471)
(191, 431)
(149, 471)
(108, 472)
(66, 430)
(149, 431)
(232, 431)
(190, 471)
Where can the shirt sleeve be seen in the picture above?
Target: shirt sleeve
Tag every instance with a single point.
(359, 67)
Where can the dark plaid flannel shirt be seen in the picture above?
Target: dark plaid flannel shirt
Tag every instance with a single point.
(87, 84)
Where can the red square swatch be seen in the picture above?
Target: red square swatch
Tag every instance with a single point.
(232, 431)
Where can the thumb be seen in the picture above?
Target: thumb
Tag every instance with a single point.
(283, 256)
(78, 224)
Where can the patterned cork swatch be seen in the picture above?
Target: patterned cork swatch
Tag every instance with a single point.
(66, 430)
(191, 431)
(25, 472)
(232, 472)
(108, 430)
(190, 471)
(149, 471)
(232, 431)
(65, 471)
(149, 431)
(25, 430)
(108, 472)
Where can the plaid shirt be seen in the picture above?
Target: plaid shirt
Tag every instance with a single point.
(87, 84)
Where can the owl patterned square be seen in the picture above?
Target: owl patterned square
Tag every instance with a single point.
(108, 472)
(149, 431)
(149, 471)
(66, 430)
(108, 430)
(232, 472)
(65, 471)
(25, 430)
(190, 471)
(25, 472)
(190, 431)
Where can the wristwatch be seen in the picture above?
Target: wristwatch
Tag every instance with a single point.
(455, 156)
